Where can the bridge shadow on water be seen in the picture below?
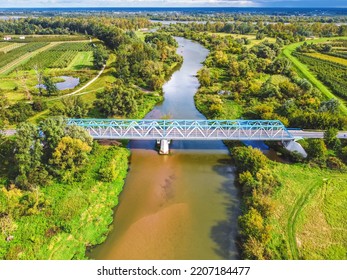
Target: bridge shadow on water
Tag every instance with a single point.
(180, 145)
(225, 233)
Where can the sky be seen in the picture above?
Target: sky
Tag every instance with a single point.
(172, 3)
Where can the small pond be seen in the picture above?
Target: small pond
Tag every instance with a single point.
(68, 83)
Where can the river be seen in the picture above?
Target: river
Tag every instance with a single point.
(183, 205)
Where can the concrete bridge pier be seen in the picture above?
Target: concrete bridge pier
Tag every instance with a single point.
(293, 146)
(164, 146)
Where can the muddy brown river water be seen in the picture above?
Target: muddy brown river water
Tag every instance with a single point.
(179, 206)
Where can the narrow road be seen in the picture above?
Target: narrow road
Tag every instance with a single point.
(314, 134)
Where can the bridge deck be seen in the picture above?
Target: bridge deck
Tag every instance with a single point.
(184, 129)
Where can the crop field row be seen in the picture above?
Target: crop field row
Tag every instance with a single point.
(6, 58)
(332, 74)
(66, 55)
(4, 44)
(329, 57)
(340, 43)
(339, 54)
(51, 59)
(49, 38)
(78, 46)
(10, 47)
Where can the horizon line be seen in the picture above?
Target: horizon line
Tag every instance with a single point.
(141, 7)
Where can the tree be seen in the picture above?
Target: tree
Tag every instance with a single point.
(305, 85)
(78, 132)
(117, 100)
(100, 55)
(331, 106)
(69, 157)
(267, 181)
(343, 154)
(28, 156)
(50, 86)
(331, 140)
(39, 105)
(252, 224)
(279, 66)
(260, 35)
(247, 181)
(72, 107)
(4, 103)
(19, 112)
(39, 75)
(156, 82)
(109, 172)
(249, 159)
(205, 77)
(221, 58)
(53, 129)
(316, 149)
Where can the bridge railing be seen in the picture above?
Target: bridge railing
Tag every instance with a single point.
(184, 129)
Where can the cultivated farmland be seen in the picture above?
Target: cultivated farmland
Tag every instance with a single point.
(22, 64)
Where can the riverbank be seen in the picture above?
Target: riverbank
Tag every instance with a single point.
(277, 224)
(71, 216)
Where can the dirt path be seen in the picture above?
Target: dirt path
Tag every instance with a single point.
(82, 88)
(291, 224)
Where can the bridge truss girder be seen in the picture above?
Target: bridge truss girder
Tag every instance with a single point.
(145, 129)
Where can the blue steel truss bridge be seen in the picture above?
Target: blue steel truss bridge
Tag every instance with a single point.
(166, 130)
(184, 129)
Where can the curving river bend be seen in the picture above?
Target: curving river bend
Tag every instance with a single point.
(180, 206)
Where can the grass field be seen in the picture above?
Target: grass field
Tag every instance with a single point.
(81, 60)
(251, 37)
(310, 211)
(304, 72)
